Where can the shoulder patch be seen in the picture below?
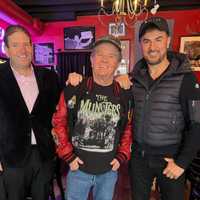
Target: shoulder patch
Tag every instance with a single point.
(196, 86)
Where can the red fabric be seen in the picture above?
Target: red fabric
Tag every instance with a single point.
(61, 131)
(126, 141)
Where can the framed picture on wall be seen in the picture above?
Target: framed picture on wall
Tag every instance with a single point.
(43, 54)
(124, 65)
(116, 29)
(79, 37)
(190, 45)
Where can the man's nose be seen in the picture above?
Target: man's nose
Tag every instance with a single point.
(105, 58)
(152, 45)
(23, 48)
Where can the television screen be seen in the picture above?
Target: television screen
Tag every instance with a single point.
(43, 54)
(79, 37)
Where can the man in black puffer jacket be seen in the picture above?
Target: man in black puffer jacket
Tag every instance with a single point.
(166, 115)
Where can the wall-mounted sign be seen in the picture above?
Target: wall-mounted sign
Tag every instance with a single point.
(2, 46)
(2, 32)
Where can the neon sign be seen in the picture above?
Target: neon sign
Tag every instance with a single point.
(2, 45)
(2, 33)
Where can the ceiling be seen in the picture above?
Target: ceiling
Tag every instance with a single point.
(67, 10)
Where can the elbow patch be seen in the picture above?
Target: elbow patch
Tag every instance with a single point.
(194, 110)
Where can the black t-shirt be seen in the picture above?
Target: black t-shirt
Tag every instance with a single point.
(96, 131)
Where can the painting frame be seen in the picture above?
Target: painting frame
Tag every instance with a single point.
(190, 45)
(79, 37)
(117, 29)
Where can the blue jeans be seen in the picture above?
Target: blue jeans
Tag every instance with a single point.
(79, 184)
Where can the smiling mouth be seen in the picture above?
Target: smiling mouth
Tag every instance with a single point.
(153, 53)
(102, 67)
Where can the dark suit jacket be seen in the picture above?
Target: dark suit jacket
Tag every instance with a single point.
(16, 122)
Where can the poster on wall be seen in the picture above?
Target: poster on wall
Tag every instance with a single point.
(116, 29)
(79, 37)
(190, 45)
(43, 54)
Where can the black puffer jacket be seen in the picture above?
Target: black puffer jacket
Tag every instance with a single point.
(158, 117)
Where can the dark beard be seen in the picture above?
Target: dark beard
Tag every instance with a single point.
(156, 62)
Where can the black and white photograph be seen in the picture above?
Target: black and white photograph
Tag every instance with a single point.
(116, 29)
(79, 37)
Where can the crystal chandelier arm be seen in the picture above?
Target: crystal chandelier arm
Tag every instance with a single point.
(128, 11)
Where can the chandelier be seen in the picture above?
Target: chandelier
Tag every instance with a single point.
(128, 11)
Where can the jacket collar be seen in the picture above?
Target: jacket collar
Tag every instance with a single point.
(179, 64)
(12, 87)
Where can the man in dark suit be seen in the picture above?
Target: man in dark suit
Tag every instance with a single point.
(28, 97)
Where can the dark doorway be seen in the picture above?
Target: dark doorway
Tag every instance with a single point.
(73, 62)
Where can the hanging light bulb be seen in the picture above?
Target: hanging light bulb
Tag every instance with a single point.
(155, 8)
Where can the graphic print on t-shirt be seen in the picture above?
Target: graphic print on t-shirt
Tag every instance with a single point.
(95, 128)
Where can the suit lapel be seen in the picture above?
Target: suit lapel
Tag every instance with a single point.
(12, 88)
(39, 80)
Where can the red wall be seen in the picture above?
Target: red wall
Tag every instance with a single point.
(186, 22)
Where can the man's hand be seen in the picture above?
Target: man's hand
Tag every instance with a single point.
(1, 168)
(124, 81)
(172, 171)
(74, 79)
(115, 164)
(74, 165)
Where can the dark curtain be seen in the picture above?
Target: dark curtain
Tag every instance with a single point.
(73, 62)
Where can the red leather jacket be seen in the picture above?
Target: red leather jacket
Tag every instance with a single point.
(64, 148)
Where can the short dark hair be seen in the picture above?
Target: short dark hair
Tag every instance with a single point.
(13, 29)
